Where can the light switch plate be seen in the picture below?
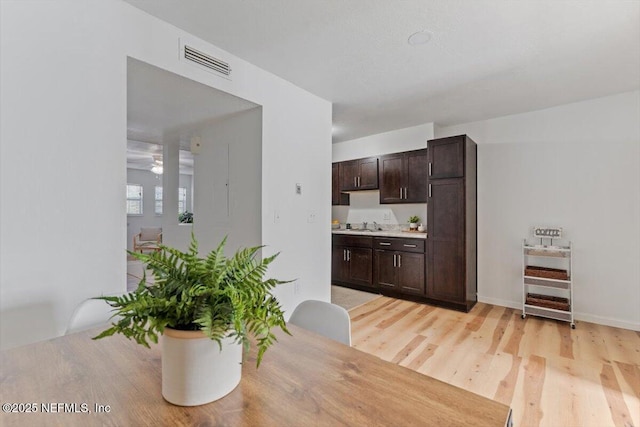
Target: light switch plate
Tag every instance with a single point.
(298, 188)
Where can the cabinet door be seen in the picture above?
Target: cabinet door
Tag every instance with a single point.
(445, 260)
(360, 266)
(392, 179)
(446, 157)
(339, 265)
(411, 273)
(349, 175)
(368, 174)
(417, 165)
(384, 269)
(337, 197)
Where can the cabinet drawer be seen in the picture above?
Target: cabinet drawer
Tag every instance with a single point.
(398, 244)
(352, 241)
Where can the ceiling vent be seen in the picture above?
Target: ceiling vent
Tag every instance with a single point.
(207, 62)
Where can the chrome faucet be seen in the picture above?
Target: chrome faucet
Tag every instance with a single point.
(375, 226)
(364, 225)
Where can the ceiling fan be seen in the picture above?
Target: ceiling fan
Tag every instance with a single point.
(157, 167)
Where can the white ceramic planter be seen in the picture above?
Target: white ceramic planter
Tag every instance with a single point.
(195, 371)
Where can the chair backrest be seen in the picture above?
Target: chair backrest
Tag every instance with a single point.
(88, 314)
(329, 320)
(150, 234)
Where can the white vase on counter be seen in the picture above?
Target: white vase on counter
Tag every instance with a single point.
(421, 228)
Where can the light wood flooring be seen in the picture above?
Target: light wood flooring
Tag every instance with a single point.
(548, 373)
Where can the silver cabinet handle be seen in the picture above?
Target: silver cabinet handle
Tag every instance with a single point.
(344, 254)
(410, 246)
(429, 190)
(348, 254)
(401, 192)
(384, 244)
(429, 168)
(394, 260)
(405, 193)
(358, 181)
(399, 260)
(355, 181)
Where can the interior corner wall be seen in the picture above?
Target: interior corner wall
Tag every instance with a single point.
(575, 166)
(63, 228)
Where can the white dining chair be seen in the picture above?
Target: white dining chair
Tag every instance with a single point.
(329, 320)
(88, 314)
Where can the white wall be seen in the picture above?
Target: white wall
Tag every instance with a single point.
(230, 154)
(67, 121)
(365, 205)
(395, 141)
(576, 166)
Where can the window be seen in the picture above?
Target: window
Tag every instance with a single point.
(158, 200)
(134, 199)
(182, 199)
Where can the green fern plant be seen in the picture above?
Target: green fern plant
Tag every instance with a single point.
(218, 295)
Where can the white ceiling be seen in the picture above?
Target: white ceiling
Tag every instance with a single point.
(486, 58)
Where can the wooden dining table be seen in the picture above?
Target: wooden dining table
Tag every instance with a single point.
(304, 380)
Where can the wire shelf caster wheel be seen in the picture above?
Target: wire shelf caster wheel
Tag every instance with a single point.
(522, 316)
(573, 326)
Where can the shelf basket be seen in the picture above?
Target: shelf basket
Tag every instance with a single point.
(547, 273)
(547, 301)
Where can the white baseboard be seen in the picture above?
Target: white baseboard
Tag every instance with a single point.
(585, 317)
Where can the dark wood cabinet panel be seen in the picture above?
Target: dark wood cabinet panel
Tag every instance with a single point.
(385, 270)
(360, 174)
(349, 175)
(337, 197)
(411, 273)
(339, 265)
(360, 266)
(417, 173)
(452, 222)
(403, 177)
(446, 157)
(444, 281)
(368, 173)
(445, 210)
(392, 180)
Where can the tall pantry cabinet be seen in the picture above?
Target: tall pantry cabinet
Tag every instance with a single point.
(451, 222)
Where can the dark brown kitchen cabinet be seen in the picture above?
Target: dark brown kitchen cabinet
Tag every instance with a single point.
(352, 261)
(446, 157)
(399, 266)
(451, 222)
(403, 177)
(360, 174)
(337, 197)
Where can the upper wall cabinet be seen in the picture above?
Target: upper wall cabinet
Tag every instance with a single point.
(360, 174)
(403, 177)
(446, 157)
(337, 197)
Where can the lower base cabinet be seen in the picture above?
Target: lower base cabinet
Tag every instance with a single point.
(397, 267)
(402, 272)
(352, 261)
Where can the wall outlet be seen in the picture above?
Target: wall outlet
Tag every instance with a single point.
(296, 287)
(311, 216)
(298, 188)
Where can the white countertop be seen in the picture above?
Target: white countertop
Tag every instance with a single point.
(384, 233)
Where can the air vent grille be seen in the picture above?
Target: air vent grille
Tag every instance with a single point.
(207, 61)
